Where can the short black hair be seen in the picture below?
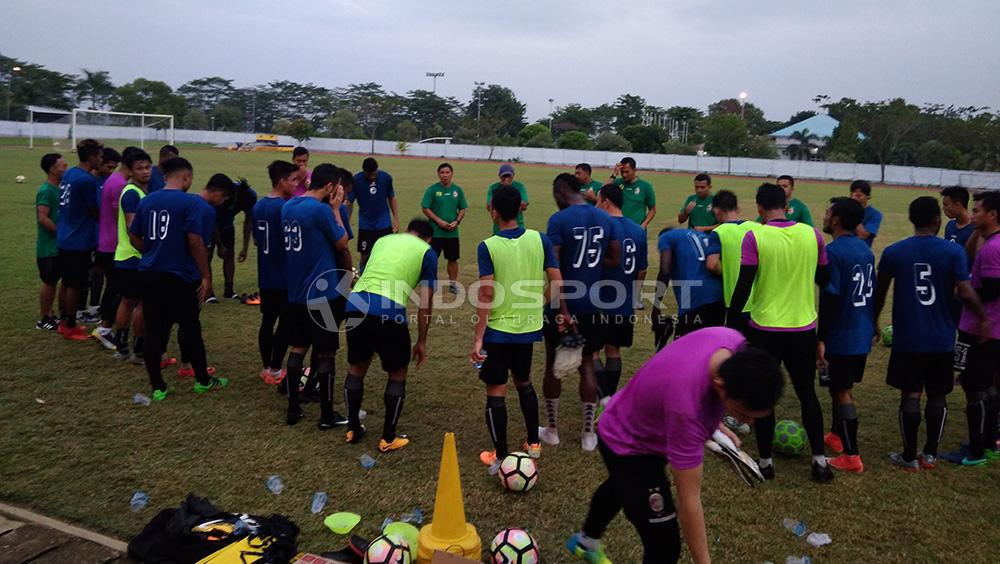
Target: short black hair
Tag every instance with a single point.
(507, 202)
(585, 167)
(134, 155)
(957, 194)
(445, 165)
(725, 200)
(787, 177)
(220, 183)
(128, 151)
(280, 170)
(169, 150)
(752, 377)
(702, 177)
(346, 177)
(988, 199)
(849, 210)
(421, 227)
(861, 186)
(567, 180)
(110, 155)
(176, 164)
(628, 161)
(88, 148)
(771, 197)
(324, 174)
(369, 165)
(923, 211)
(49, 160)
(299, 151)
(613, 193)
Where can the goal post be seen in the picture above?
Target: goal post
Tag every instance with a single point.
(105, 124)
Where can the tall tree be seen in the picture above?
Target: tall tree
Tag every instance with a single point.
(344, 125)
(32, 85)
(725, 134)
(756, 123)
(148, 96)
(94, 87)
(629, 110)
(644, 138)
(374, 106)
(804, 140)
(207, 93)
(572, 117)
(500, 106)
(425, 110)
(799, 116)
(886, 125)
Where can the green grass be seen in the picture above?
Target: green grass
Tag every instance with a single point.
(82, 453)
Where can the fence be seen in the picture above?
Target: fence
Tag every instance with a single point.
(903, 175)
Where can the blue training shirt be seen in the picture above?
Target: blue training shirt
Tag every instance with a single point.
(960, 235)
(78, 206)
(925, 269)
(129, 204)
(694, 286)
(269, 238)
(871, 221)
(242, 203)
(163, 220)
(486, 268)
(310, 234)
(852, 282)
(582, 233)
(618, 287)
(373, 200)
(156, 180)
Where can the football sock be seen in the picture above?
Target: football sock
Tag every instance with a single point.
(324, 375)
(395, 392)
(763, 429)
(820, 460)
(496, 422)
(846, 418)
(936, 414)
(587, 411)
(612, 375)
(992, 409)
(354, 392)
(909, 423)
(589, 543)
(975, 412)
(552, 411)
(138, 345)
(528, 399)
(599, 375)
(121, 340)
(765, 462)
(292, 379)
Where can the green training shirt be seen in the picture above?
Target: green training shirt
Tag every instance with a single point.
(445, 203)
(797, 212)
(524, 199)
(593, 187)
(46, 245)
(701, 215)
(637, 197)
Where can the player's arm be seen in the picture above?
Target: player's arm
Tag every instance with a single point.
(613, 257)
(706, 228)
(247, 235)
(682, 216)
(744, 284)
(196, 245)
(713, 263)
(589, 195)
(884, 282)
(434, 217)
(650, 214)
(822, 276)
(43, 218)
(690, 511)
(861, 232)
(565, 320)
(662, 278)
(827, 313)
(426, 294)
(460, 216)
(395, 214)
(483, 308)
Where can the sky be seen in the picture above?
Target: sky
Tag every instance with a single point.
(670, 52)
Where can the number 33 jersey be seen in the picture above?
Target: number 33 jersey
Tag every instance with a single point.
(852, 281)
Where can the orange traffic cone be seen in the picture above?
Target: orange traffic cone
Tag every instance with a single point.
(448, 530)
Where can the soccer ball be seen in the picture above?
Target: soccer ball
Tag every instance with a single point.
(19, 179)
(789, 437)
(514, 546)
(887, 336)
(388, 549)
(518, 472)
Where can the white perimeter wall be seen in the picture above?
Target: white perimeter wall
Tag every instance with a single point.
(905, 175)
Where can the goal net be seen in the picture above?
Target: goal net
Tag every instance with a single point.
(48, 126)
(135, 128)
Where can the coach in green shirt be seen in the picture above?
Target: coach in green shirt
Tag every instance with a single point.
(639, 198)
(444, 204)
(507, 179)
(697, 208)
(46, 246)
(588, 186)
(796, 211)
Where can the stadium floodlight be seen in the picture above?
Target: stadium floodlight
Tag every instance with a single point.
(124, 125)
(10, 79)
(435, 76)
(743, 103)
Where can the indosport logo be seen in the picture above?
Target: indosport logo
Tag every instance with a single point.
(327, 297)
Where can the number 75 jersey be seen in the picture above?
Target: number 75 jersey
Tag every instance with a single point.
(925, 269)
(852, 283)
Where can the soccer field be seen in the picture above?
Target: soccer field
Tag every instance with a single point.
(73, 445)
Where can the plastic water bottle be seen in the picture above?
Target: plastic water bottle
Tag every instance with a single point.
(416, 517)
(275, 484)
(479, 365)
(367, 462)
(141, 399)
(139, 501)
(798, 560)
(818, 539)
(240, 528)
(797, 528)
(385, 523)
(318, 502)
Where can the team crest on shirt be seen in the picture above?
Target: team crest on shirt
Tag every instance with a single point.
(372, 188)
(791, 210)
(636, 190)
(454, 194)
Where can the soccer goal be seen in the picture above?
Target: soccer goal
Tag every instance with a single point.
(48, 126)
(124, 126)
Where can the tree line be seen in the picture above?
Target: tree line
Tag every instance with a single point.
(892, 131)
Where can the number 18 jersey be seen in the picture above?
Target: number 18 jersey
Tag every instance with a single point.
(852, 281)
(582, 233)
(925, 269)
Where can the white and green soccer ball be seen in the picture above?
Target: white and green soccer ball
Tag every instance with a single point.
(514, 546)
(789, 437)
(19, 179)
(518, 472)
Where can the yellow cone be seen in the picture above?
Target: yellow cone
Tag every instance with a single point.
(448, 530)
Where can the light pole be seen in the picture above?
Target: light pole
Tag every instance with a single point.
(550, 113)
(435, 76)
(212, 118)
(743, 104)
(10, 79)
(479, 105)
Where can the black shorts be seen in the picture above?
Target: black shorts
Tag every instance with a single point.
(227, 238)
(919, 372)
(982, 366)
(126, 282)
(708, 315)
(795, 349)
(740, 322)
(273, 303)
(310, 326)
(104, 261)
(590, 325)
(49, 269)
(845, 371)
(503, 359)
(449, 245)
(618, 328)
(367, 238)
(368, 335)
(76, 268)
